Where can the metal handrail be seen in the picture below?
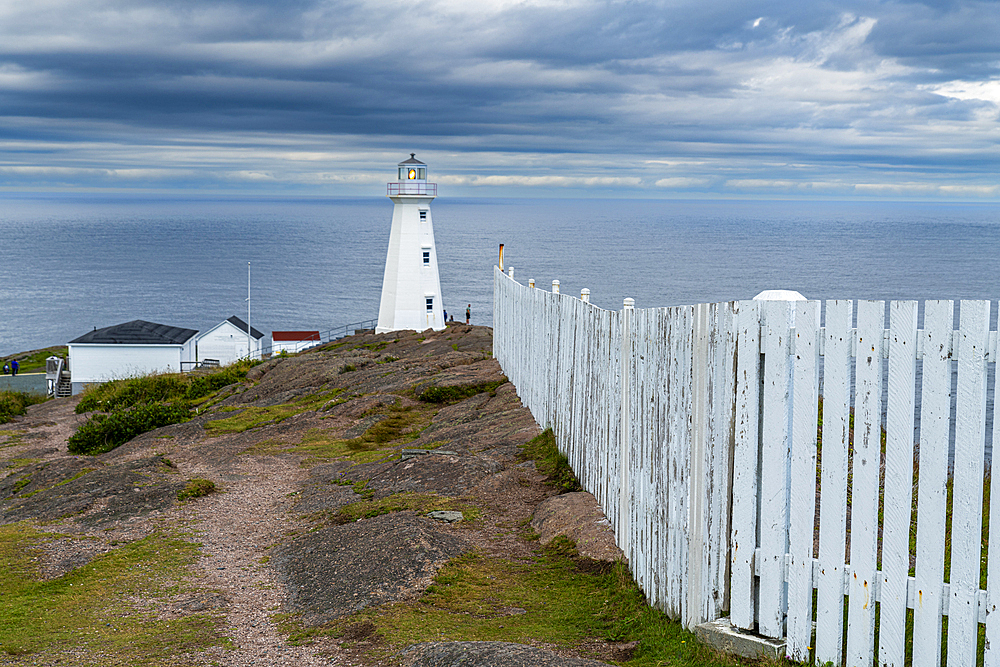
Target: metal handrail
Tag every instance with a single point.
(54, 383)
(331, 335)
(188, 366)
(409, 188)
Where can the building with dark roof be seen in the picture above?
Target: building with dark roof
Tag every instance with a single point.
(130, 349)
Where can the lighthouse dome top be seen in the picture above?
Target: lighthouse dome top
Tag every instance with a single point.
(413, 160)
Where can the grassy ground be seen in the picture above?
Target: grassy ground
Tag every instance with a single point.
(401, 425)
(33, 362)
(556, 599)
(94, 607)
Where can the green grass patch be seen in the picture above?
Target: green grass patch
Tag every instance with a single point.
(422, 503)
(20, 484)
(11, 438)
(322, 445)
(87, 609)
(27, 480)
(196, 488)
(359, 487)
(550, 462)
(401, 425)
(453, 394)
(254, 417)
(15, 403)
(18, 463)
(103, 432)
(372, 347)
(555, 599)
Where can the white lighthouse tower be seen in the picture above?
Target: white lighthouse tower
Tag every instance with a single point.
(411, 289)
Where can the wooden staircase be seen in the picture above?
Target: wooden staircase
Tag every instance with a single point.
(57, 374)
(64, 387)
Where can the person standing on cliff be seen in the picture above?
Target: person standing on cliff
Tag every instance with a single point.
(14, 367)
(468, 313)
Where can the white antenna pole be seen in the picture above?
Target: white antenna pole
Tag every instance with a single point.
(249, 344)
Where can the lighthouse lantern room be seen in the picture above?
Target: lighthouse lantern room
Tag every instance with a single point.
(411, 288)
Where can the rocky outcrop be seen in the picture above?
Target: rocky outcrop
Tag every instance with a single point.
(487, 654)
(581, 519)
(339, 570)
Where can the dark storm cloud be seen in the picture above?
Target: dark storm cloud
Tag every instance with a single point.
(659, 92)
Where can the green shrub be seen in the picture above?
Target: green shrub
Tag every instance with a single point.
(103, 432)
(455, 393)
(196, 488)
(14, 403)
(203, 385)
(130, 392)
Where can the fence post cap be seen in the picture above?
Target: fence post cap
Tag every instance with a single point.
(585, 291)
(629, 303)
(779, 295)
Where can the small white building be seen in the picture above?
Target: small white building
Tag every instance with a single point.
(227, 342)
(127, 350)
(411, 288)
(293, 341)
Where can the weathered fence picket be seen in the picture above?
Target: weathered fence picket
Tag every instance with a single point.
(967, 505)
(935, 416)
(802, 480)
(773, 469)
(696, 428)
(833, 482)
(743, 591)
(864, 491)
(898, 497)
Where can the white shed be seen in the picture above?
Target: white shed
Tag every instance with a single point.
(129, 350)
(226, 342)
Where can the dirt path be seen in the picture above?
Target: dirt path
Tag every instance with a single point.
(236, 528)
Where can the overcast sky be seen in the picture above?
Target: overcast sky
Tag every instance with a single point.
(551, 98)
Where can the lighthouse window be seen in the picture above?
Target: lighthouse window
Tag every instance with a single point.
(423, 216)
(430, 303)
(421, 173)
(427, 257)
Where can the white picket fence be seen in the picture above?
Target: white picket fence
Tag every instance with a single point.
(696, 429)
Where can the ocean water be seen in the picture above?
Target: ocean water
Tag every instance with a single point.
(69, 264)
